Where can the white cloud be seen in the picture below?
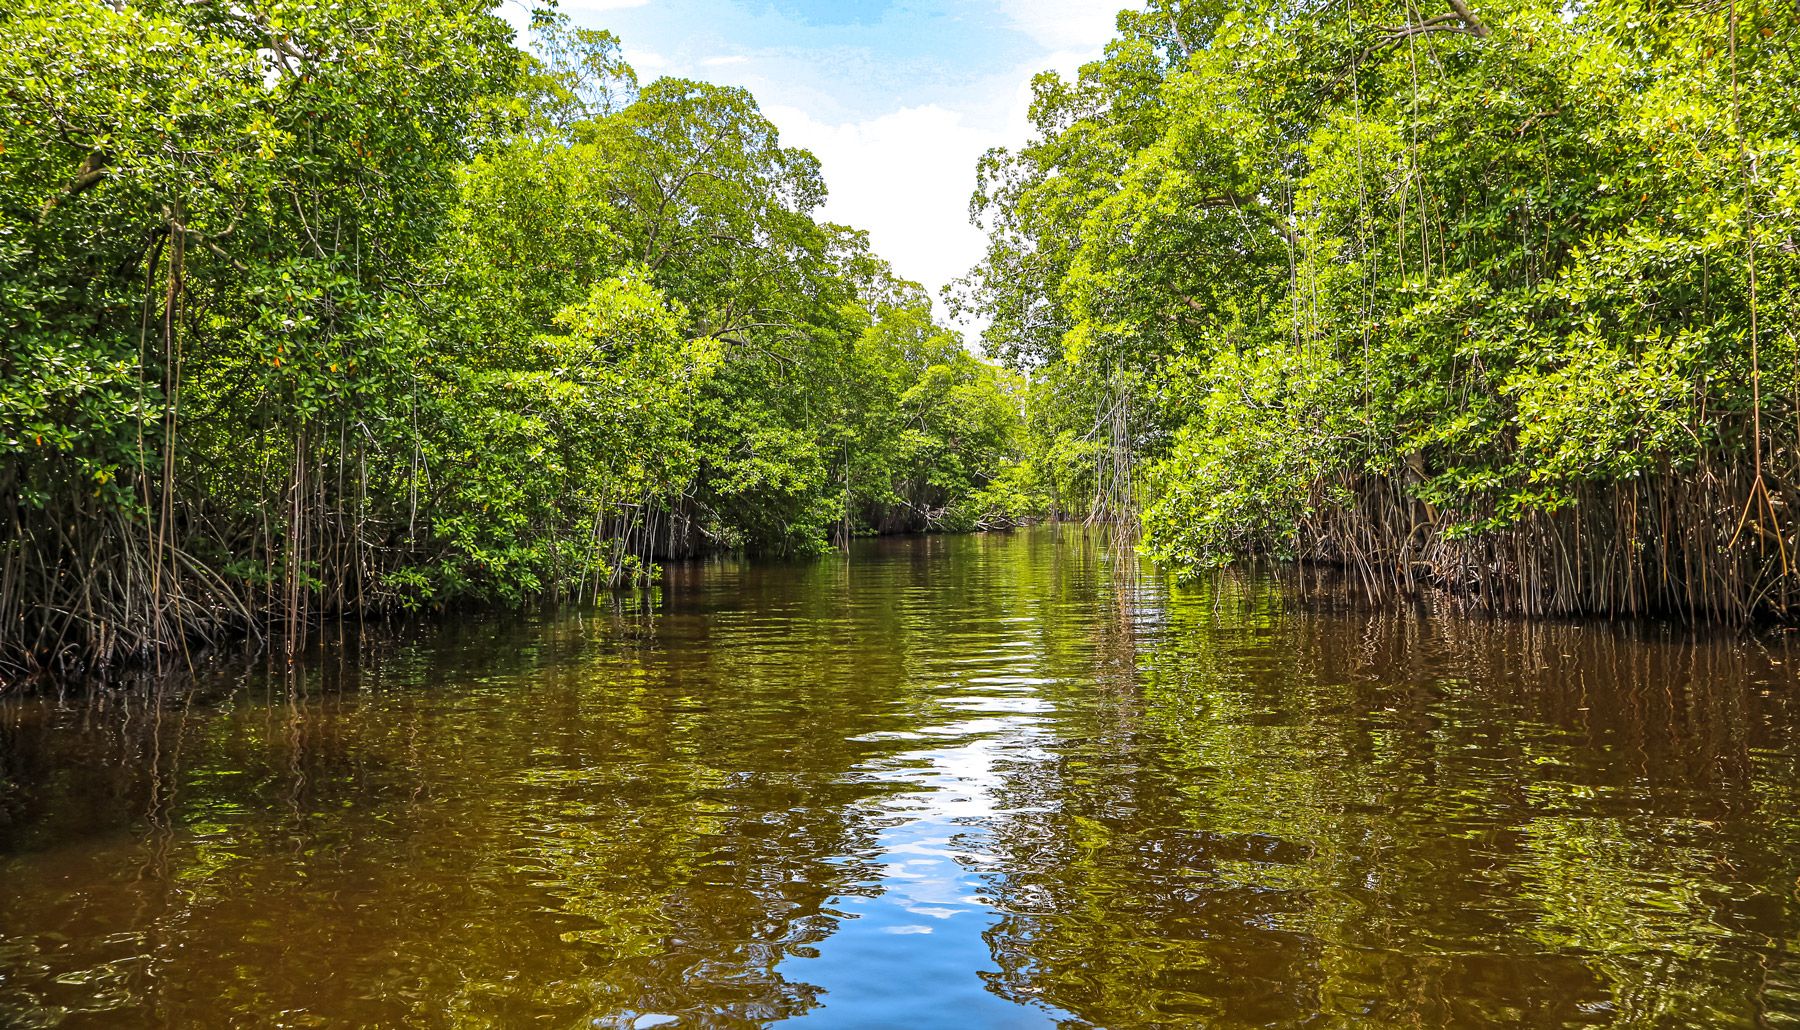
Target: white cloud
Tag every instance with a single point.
(1063, 24)
(608, 5)
(723, 59)
(906, 178)
(648, 63)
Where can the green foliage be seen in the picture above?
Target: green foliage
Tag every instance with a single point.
(952, 423)
(1248, 466)
(316, 306)
(535, 452)
(1497, 259)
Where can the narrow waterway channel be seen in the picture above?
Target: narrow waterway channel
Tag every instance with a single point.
(984, 781)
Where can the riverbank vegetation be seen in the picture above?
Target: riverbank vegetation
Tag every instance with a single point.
(1498, 298)
(315, 309)
(311, 309)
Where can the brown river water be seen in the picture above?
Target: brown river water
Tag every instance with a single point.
(982, 781)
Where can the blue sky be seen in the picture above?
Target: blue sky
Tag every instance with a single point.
(898, 98)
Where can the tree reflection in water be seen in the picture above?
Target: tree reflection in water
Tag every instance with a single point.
(1332, 815)
(938, 777)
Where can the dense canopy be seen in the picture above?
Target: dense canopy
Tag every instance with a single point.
(311, 308)
(1498, 298)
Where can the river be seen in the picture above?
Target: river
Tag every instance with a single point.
(979, 781)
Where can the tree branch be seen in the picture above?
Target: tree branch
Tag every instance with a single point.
(91, 172)
(1476, 27)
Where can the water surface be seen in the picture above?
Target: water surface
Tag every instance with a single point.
(989, 781)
